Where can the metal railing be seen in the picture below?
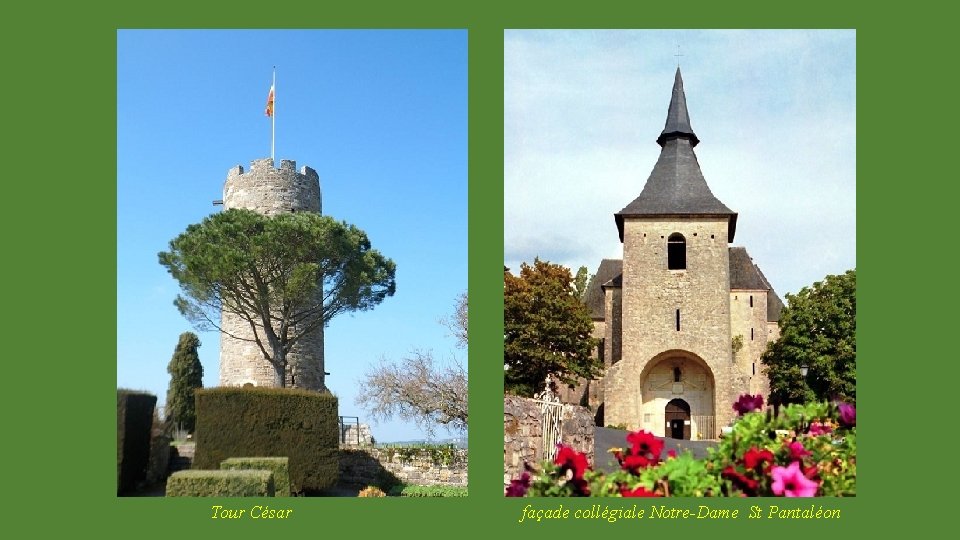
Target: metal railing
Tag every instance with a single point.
(551, 424)
(344, 427)
(704, 427)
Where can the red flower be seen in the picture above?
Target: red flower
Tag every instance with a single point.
(518, 486)
(637, 492)
(747, 485)
(569, 459)
(748, 403)
(755, 459)
(645, 444)
(634, 463)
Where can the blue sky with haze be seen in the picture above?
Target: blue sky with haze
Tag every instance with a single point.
(775, 112)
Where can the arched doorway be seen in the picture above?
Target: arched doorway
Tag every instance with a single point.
(677, 414)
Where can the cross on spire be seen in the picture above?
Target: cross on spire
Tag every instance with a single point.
(678, 55)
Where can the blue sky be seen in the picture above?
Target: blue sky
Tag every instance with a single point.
(380, 115)
(775, 112)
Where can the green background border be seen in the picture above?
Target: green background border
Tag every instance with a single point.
(60, 244)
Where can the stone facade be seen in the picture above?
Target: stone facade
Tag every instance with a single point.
(523, 433)
(378, 466)
(670, 310)
(270, 191)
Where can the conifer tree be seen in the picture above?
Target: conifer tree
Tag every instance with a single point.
(186, 375)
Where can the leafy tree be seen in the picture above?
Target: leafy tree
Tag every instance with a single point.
(818, 330)
(580, 282)
(419, 388)
(547, 329)
(285, 275)
(186, 375)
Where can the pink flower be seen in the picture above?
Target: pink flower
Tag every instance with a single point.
(518, 486)
(848, 414)
(790, 482)
(748, 403)
(817, 429)
(797, 451)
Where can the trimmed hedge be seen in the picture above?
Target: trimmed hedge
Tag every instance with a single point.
(134, 424)
(270, 422)
(428, 491)
(221, 484)
(279, 465)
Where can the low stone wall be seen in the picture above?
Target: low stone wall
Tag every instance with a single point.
(523, 437)
(384, 466)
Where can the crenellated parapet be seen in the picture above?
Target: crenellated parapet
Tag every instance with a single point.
(270, 191)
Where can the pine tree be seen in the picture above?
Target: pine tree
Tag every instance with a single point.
(186, 375)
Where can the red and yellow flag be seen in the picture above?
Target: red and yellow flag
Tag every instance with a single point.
(269, 109)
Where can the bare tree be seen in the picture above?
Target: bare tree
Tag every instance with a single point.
(418, 389)
(457, 322)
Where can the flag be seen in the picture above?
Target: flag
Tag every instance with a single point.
(269, 109)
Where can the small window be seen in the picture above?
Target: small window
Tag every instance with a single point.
(751, 300)
(754, 368)
(751, 334)
(676, 374)
(676, 252)
(678, 320)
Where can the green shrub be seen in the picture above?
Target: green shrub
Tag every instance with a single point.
(428, 491)
(271, 422)
(134, 423)
(230, 483)
(279, 465)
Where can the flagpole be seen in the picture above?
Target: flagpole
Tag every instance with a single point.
(273, 117)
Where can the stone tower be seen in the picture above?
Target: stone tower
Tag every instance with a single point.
(270, 191)
(675, 375)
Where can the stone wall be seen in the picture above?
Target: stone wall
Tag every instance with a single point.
(355, 435)
(384, 466)
(748, 318)
(523, 433)
(270, 191)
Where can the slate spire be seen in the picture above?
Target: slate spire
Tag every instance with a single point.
(678, 119)
(676, 186)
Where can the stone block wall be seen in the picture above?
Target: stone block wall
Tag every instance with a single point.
(651, 296)
(382, 466)
(750, 321)
(523, 433)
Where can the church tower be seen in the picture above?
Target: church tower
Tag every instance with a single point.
(674, 373)
(270, 191)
